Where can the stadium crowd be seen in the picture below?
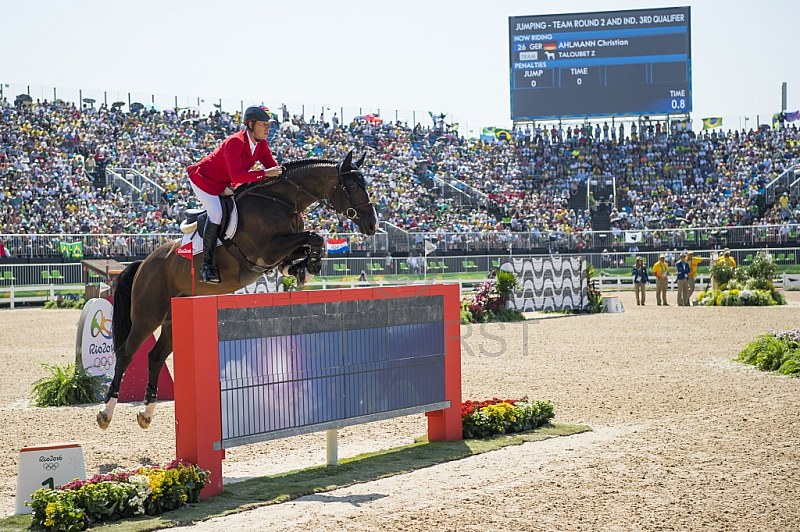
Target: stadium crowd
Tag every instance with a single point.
(52, 154)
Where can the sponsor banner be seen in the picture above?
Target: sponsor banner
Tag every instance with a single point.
(95, 349)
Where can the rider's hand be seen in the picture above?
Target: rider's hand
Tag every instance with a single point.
(275, 171)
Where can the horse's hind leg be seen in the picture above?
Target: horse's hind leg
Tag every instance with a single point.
(155, 362)
(124, 356)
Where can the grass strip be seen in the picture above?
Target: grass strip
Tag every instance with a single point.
(262, 491)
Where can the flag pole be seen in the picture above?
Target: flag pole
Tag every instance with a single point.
(192, 261)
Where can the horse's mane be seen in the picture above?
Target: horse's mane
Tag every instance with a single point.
(292, 168)
(304, 164)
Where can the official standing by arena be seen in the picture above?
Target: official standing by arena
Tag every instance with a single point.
(683, 280)
(661, 271)
(640, 280)
(694, 262)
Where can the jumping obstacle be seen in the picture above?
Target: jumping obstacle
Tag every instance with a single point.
(257, 367)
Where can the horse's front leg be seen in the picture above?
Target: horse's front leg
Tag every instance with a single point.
(297, 245)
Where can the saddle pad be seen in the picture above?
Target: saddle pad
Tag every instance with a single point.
(197, 240)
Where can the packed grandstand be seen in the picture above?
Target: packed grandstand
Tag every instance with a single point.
(545, 185)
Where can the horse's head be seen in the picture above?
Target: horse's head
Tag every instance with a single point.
(350, 197)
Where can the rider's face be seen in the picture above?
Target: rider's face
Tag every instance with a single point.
(260, 130)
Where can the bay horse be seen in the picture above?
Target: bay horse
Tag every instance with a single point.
(269, 235)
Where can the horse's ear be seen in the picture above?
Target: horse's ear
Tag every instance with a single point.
(348, 160)
(360, 161)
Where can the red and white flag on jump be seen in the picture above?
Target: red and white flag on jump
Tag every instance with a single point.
(185, 250)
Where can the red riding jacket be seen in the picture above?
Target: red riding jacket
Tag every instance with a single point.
(231, 163)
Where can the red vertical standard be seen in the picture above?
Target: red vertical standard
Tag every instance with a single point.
(197, 390)
(446, 424)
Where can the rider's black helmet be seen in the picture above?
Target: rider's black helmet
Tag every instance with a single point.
(257, 112)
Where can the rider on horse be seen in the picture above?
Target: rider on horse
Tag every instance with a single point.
(230, 163)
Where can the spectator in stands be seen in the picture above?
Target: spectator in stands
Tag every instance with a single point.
(640, 280)
(661, 271)
(230, 163)
(663, 181)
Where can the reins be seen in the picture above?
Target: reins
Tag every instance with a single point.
(351, 212)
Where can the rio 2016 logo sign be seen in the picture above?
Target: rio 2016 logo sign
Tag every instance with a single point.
(95, 349)
(101, 325)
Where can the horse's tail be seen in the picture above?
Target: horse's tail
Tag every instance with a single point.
(121, 320)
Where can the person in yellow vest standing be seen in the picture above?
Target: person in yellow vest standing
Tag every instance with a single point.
(724, 260)
(727, 259)
(694, 262)
(661, 271)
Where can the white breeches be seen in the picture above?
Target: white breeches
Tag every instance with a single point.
(211, 202)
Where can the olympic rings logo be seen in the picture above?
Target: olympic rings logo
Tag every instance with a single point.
(50, 466)
(105, 363)
(101, 325)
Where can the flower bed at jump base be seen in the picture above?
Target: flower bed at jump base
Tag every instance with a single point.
(739, 287)
(149, 490)
(481, 419)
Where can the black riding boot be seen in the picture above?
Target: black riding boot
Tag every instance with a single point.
(208, 271)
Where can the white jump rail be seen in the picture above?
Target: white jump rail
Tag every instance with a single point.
(52, 291)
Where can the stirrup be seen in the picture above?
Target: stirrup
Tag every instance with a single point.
(209, 274)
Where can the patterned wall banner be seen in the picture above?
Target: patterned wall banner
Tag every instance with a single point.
(267, 283)
(548, 283)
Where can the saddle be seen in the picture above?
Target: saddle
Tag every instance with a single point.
(195, 219)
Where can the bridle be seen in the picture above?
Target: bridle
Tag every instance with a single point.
(358, 177)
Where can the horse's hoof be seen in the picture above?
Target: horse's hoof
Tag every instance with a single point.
(103, 421)
(143, 420)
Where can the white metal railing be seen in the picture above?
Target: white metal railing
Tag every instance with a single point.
(454, 191)
(127, 188)
(132, 181)
(794, 187)
(52, 279)
(786, 178)
(392, 238)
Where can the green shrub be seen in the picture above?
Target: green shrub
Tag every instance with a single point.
(778, 350)
(762, 268)
(66, 386)
(722, 272)
(505, 285)
(289, 284)
(65, 302)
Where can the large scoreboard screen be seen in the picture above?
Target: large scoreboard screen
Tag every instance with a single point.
(598, 64)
